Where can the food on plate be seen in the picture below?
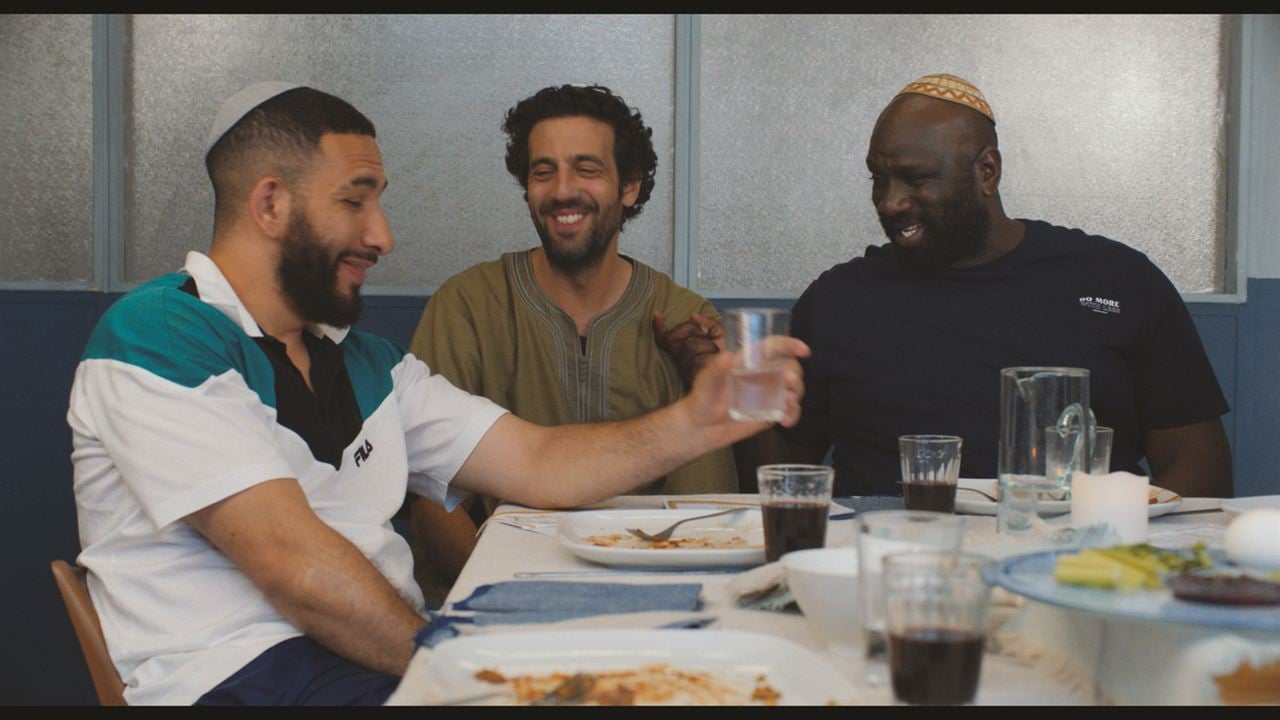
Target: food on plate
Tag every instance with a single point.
(691, 542)
(655, 684)
(1224, 589)
(1253, 539)
(1127, 567)
(764, 693)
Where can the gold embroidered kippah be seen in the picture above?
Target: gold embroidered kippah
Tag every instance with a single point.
(952, 89)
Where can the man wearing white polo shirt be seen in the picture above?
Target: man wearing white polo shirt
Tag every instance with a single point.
(239, 449)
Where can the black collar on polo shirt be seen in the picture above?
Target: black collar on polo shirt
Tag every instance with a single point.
(327, 419)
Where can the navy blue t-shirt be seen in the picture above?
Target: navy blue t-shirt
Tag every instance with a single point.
(897, 353)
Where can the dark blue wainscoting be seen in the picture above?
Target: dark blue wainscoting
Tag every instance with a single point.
(43, 333)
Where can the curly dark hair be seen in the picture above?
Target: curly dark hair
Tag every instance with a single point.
(632, 140)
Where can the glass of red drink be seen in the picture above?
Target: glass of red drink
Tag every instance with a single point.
(794, 501)
(930, 471)
(882, 533)
(936, 607)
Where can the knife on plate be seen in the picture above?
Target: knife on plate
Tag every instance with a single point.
(1171, 513)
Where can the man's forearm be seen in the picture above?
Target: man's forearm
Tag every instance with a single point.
(314, 577)
(1193, 460)
(570, 465)
(340, 600)
(441, 538)
(1194, 474)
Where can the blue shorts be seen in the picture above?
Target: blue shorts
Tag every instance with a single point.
(300, 672)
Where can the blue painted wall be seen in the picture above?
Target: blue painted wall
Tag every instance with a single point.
(43, 333)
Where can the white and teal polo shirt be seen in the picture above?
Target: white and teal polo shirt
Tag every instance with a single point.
(180, 401)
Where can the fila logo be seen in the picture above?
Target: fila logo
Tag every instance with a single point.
(362, 453)
(1101, 305)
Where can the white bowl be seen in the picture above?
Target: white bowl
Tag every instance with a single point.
(824, 582)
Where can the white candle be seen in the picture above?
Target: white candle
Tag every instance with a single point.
(1118, 499)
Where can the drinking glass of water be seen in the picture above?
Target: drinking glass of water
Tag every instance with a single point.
(757, 388)
(1064, 452)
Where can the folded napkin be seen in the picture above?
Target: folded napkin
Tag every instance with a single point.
(763, 588)
(443, 627)
(870, 503)
(580, 598)
(536, 602)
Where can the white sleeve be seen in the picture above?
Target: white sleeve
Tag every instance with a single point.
(442, 425)
(177, 448)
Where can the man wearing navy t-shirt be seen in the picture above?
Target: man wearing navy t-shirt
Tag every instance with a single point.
(910, 338)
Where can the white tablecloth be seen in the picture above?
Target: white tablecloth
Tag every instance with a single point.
(1049, 656)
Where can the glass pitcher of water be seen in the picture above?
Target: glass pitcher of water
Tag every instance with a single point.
(1035, 402)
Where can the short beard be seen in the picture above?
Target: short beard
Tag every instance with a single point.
(309, 278)
(958, 233)
(588, 256)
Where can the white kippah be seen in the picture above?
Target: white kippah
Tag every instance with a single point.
(240, 104)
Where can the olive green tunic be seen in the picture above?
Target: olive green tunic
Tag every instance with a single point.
(492, 331)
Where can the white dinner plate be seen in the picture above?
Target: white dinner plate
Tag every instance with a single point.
(734, 657)
(744, 527)
(1235, 506)
(969, 503)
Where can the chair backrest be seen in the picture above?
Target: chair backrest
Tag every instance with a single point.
(75, 593)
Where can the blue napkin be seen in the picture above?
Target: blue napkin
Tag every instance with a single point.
(580, 598)
(543, 601)
(869, 503)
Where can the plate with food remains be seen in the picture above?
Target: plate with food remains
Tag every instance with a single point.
(1206, 590)
(735, 539)
(1159, 500)
(629, 667)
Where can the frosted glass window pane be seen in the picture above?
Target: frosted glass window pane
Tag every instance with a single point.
(436, 87)
(46, 110)
(1113, 124)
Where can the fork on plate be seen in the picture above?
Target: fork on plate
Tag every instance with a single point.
(666, 533)
(976, 490)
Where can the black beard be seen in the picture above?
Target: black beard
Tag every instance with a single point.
(958, 233)
(574, 261)
(309, 278)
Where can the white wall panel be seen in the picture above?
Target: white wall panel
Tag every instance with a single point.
(1114, 124)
